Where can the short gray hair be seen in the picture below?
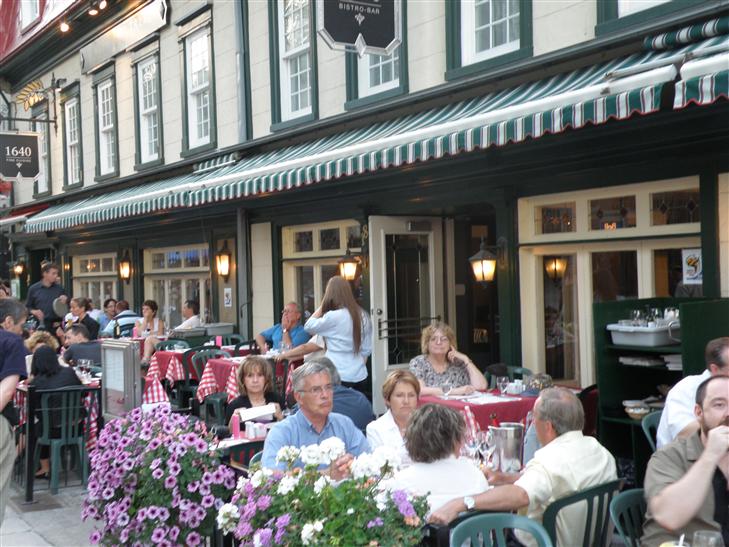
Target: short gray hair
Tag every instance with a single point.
(562, 408)
(292, 303)
(333, 372)
(308, 369)
(434, 432)
(10, 307)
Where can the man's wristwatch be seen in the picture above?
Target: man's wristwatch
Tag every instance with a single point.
(469, 502)
(285, 331)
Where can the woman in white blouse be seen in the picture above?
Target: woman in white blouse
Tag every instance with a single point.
(347, 332)
(400, 391)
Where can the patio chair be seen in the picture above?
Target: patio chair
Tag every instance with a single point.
(597, 518)
(171, 344)
(627, 511)
(649, 423)
(245, 455)
(589, 398)
(518, 372)
(492, 526)
(228, 339)
(214, 404)
(183, 391)
(247, 347)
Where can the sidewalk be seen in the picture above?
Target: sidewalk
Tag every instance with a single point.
(51, 520)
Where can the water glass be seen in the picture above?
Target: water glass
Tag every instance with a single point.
(707, 538)
(502, 382)
(446, 389)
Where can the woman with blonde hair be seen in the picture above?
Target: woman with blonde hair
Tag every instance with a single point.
(256, 387)
(41, 338)
(442, 369)
(347, 332)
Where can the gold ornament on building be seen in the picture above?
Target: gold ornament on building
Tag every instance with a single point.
(31, 94)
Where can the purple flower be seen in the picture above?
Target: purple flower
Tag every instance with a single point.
(264, 502)
(108, 493)
(375, 522)
(158, 535)
(122, 520)
(155, 463)
(152, 512)
(157, 474)
(208, 501)
(174, 532)
(164, 514)
(207, 478)
(264, 536)
(124, 535)
(243, 529)
(95, 537)
(170, 482)
(142, 514)
(193, 539)
(204, 489)
(128, 465)
(174, 468)
(192, 487)
(249, 510)
(280, 533)
(283, 520)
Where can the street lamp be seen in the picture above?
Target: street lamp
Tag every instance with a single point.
(348, 266)
(18, 269)
(125, 268)
(555, 267)
(222, 261)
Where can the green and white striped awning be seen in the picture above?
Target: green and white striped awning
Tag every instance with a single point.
(616, 89)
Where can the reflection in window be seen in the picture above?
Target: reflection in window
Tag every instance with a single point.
(327, 272)
(354, 237)
(192, 258)
(556, 218)
(107, 264)
(158, 262)
(304, 241)
(305, 290)
(174, 259)
(675, 207)
(612, 213)
(614, 276)
(329, 239)
(668, 275)
(560, 317)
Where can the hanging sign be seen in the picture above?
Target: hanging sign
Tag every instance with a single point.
(19, 155)
(365, 26)
(691, 266)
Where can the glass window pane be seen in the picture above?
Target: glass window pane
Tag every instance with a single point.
(675, 207)
(500, 33)
(614, 276)
(560, 317)
(158, 262)
(555, 218)
(612, 213)
(304, 241)
(107, 264)
(305, 290)
(174, 302)
(192, 258)
(499, 9)
(327, 272)
(329, 239)
(174, 259)
(204, 258)
(354, 237)
(160, 296)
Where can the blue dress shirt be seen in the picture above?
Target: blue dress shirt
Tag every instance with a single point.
(274, 335)
(296, 430)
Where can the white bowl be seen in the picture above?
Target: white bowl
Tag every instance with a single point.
(633, 403)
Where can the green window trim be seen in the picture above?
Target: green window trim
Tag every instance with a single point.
(277, 123)
(352, 61)
(40, 111)
(185, 33)
(98, 79)
(608, 20)
(454, 66)
(138, 164)
(71, 92)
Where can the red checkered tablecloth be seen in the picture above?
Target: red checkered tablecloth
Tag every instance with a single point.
(154, 392)
(167, 364)
(510, 409)
(219, 376)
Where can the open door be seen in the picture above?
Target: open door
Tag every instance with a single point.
(406, 285)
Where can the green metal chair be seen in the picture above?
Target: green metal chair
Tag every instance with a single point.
(518, 372)
(491, 527)
(214, 404)
(247, 347)
(171, 344)
(257, 457)
(597, 518)
(649, 423)
(182, 392)
(62, 419)
(627, 511)
(245, 455)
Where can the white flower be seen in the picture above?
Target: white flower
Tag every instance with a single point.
(287, 484)
(332, 449)
(350, 511)
(320, 483)
(381, 499)
(259, 476)
(365, 465)
(311, 455)
(309, 529)
(287, 454)
(257, 539)
(242, 481)
(319, 525)
(387, 455)
(228, 517)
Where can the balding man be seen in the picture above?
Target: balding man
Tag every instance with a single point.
(287, 334)
(567, 462)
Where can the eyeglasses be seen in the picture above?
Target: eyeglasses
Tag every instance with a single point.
(287, 311)
(439, 339)
(318, 390)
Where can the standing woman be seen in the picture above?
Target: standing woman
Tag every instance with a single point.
(79, 308)
(347, 331)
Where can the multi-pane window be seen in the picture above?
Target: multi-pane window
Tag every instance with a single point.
(95, 277)
(106, 126)
(44, 177)
(29, 11)
(148, 108)
(626, 7)
(295, 58)
(72, 117)
(378, 73)
(489, 28)
(197, 53)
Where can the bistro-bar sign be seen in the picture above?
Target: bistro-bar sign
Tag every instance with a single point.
(19, 155)
(366, 26)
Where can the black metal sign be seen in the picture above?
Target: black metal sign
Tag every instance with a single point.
(19, 155)
(366, 26)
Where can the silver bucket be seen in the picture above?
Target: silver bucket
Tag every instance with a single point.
(508, 442)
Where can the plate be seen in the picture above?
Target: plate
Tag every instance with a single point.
(60, 308)
(633, 403)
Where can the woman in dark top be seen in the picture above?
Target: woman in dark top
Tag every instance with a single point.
(78, 308)
(255, 384)
(47, 373)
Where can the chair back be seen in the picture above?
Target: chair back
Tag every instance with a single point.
(187, 365)
(518, 372)
(171, 344)
(491, 527)
(200, 359)
(257, 457)
(247, 347)
(62, 414)
(649, 423)
(126, 331)
(246, 454)
(594, 502)
(627, 511)
(228, 339)
(589, 398)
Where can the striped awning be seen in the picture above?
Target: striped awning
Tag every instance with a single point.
(688, 35)
(617, 89)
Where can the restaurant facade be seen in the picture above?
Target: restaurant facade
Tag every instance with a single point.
(588, 164)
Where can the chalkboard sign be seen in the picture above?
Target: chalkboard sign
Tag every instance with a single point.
(364, 26)
(19, 155)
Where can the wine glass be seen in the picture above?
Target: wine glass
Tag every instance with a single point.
(502, 382)
(447, 388)
(707, 538)
(471, 447)
(485, 446)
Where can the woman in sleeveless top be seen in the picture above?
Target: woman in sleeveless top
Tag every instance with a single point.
(149, 325)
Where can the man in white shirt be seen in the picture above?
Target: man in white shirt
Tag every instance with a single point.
(678, 419)
(191, 313)
(567, 463)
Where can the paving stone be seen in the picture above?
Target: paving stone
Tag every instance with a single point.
(24, 539)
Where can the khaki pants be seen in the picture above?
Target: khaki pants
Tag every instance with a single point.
(7, 458)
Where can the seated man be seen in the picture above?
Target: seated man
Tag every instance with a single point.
(678, 419)
(314, 422)
(125, 318)
(289, 332)
(567, 463)
(79, 347)
(686, 481)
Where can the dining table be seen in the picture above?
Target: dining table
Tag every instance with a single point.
(487, 407)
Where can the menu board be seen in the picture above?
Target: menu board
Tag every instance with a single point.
(120, 373)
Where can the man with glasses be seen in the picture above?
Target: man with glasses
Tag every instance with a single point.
(287, 334)
(314, 422)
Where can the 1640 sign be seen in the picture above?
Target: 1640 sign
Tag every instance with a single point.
(19, 155)
(364, 26)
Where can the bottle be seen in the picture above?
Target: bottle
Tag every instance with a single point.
(117, 330)
(235, 426)
(135, 332)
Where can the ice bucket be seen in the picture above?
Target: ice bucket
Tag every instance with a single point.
(508, 441)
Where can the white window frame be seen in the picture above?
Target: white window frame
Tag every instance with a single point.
(164, 311)
(199, 116)
(42, 183)
(149, 118)
(108, 276)
(29, 12)
(288, 57)
(106, 114)
(364, 66)
(628, 7)
(71, 109)
(469, 55)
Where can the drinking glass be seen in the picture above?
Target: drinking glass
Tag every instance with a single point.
(485, 446)
(502, 382)
(472, 446)
(707, 538)
(446, 389)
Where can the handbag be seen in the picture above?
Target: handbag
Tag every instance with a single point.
(11, 414)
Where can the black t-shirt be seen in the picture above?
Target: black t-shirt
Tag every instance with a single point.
(65, 377)
(84, 350)
(721, 503)
(242, 401)
(12, 362)
(91, 324)
(41, 298)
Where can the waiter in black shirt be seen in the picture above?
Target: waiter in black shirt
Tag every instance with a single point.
(42, 294)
